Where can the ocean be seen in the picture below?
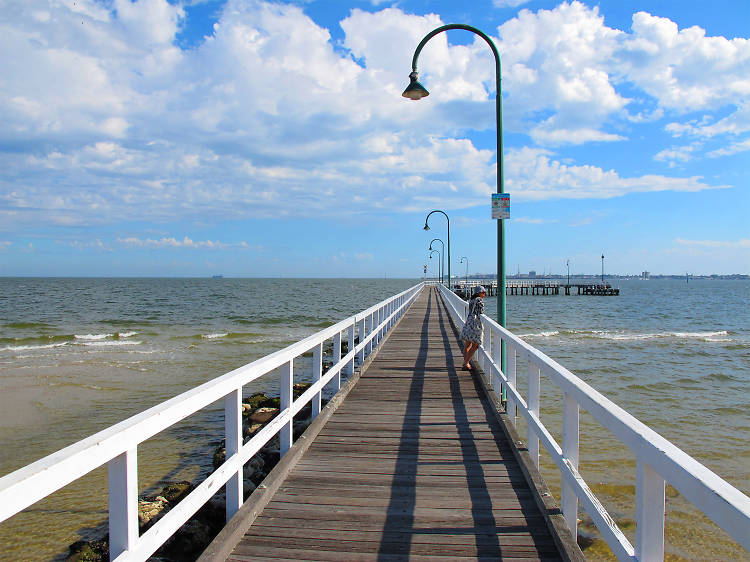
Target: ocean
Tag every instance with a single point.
(78, 355)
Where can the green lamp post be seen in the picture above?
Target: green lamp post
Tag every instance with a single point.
(427, 227)
(440, 259)
(442, 256)
(467, 269)
(416, 91)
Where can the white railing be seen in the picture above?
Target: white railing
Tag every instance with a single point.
(117, 446)
(657, 460)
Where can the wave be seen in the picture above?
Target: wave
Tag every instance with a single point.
(548, 334)
(214, 336)
(125, 334)
(93, 337)
(108, 343)
(712, 337)
(28, 347)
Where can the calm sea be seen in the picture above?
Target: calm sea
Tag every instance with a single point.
(78, 355)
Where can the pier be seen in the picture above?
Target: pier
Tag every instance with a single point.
(412, 458)
(422, 468)
(537, 288)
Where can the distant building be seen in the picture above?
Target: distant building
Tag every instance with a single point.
(532, 274)
(646, 275)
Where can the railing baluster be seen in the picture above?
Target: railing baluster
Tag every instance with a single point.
(122, 474)
(361, 352)
(286, 395)
(510, 405)
(497, 384)
(532, 441)
(336, 359)
(570, 439)
(368, 327)
(232, 444)
(349, 369)
(649, 513)
(317, 372)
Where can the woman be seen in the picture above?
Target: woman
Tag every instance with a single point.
(473, 330)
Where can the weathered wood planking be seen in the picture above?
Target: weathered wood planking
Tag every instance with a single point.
(412, 465)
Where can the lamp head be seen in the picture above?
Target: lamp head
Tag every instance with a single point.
(426, 226)
(415, 90)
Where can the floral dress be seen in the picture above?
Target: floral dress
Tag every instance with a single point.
(473, 329)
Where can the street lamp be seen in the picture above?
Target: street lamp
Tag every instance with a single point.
(442, 255)
(467, 268)
(427, 227)
(568, 264)
(416, 91)
(602, 269)
(440, 267)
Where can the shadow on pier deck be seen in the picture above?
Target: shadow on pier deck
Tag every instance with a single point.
(414, 464)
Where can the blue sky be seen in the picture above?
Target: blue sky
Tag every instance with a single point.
(252, 138)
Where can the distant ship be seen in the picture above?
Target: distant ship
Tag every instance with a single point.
(217, 277)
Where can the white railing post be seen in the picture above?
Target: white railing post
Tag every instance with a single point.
(497, 383)
(532, 441)
(336, 359)
(510, 405)
(570, 438)
(361, 332)
(122, 476)
(350, 366)
(317, 372)
(232, 445)
(367, 326)
(286, 395)
(649, 513)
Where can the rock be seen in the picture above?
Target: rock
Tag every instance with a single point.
(88, 551)
(264, 415)
(149, 509)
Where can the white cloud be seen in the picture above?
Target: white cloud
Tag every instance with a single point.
(742, 243)
(682, 68)
(532, 174)
(733, 148)
(171, 242)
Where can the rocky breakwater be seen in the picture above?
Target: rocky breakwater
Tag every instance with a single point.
(195, 535)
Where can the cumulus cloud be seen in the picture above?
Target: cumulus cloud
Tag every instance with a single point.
(107, 120)
(172, 242)
(535, 175)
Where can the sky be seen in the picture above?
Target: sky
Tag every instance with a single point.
(256, 138)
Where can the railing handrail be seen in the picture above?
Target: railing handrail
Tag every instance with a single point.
(727, 506)
(29, 484)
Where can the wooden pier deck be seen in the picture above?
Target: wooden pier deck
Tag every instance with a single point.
(414, 464)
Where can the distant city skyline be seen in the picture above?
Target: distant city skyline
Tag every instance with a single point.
(188, 138)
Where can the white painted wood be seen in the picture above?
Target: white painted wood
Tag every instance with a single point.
(361, 345)
(337, 359)
(350, 338)
(233, 444)
(510, 406)
(532, 440)
(285, 394)
(570, 452)
(122, 474)
(317, 372)
(649, 513)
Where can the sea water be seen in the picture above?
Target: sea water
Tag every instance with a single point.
(78, 355)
